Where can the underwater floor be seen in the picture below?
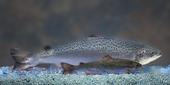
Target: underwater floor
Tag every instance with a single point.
(150, 75)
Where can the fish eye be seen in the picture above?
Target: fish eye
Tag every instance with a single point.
(152, 53)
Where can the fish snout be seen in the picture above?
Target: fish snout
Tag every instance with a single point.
(158, 53)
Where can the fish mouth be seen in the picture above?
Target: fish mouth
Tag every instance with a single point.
(150, 59)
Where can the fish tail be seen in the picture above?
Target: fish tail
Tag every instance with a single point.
(21, 59)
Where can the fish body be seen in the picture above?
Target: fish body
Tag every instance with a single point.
(92, 49)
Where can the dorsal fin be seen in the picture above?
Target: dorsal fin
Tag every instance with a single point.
(67, 68)
(93, 35)
(47, 47)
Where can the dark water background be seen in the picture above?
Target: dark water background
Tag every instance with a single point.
(31, 24)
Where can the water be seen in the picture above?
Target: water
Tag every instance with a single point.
(149, 75)
(6, 71)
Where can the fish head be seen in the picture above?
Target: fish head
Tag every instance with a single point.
(147, 54)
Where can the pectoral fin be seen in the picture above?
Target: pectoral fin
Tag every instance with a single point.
(107, 58)
(67, 68)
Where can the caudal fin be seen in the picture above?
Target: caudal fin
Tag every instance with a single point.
(21, 58)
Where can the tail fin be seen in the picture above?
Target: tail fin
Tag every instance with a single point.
(21, 58)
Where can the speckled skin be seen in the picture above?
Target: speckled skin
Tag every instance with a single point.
(94, 45)
(94, 48)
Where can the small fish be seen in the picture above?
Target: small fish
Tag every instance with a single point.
(87, 50)
(106, 63)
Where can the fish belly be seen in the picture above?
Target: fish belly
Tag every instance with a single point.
(77, 58)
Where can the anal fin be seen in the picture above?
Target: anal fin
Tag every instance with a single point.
(67, 68)
(107, 58)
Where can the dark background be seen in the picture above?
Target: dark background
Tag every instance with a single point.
(31, 24)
